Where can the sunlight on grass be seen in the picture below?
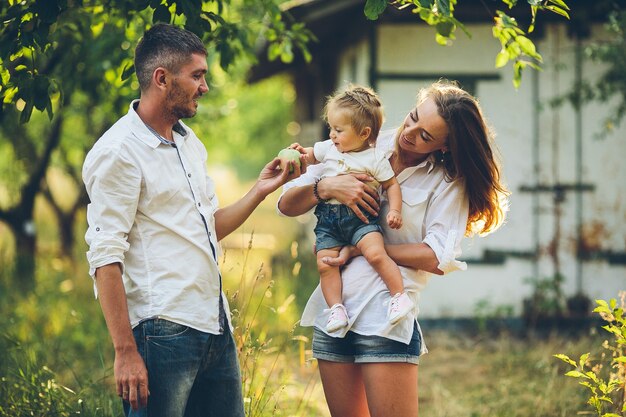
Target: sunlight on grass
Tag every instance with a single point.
(56, 356)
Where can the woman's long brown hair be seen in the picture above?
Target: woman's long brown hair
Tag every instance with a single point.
(470, 156)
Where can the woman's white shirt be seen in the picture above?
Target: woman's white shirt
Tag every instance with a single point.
(434, 212)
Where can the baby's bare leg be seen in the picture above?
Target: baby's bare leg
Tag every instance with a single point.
(330, 278)
(372, 247)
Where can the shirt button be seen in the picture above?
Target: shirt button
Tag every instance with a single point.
(189, 175)
(97, 229)
(199, 205)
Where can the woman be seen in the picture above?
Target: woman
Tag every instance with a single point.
(443, 159)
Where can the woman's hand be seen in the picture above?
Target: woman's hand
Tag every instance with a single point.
(351, 190)
(346, 253)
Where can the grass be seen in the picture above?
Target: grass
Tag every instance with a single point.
(502, 376)
(56, 356)
(56, 361)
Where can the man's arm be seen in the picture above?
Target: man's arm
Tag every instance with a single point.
(131, 376)
(229, 218)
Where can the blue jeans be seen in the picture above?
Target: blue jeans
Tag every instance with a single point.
(190, 373)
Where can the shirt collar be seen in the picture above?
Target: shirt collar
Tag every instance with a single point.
(143, 133)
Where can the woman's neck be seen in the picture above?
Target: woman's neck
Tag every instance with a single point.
(400, 161)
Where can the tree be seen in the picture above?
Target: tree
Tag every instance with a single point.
(29, 39)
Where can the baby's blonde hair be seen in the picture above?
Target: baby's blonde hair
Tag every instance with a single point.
(364, 106)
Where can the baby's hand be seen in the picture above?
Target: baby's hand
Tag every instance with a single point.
(394, 219)
(297, 147)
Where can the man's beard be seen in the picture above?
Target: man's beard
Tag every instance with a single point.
(178, 103)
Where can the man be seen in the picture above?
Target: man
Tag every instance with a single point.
(154, 225)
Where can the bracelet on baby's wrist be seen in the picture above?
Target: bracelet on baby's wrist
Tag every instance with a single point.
(316, 192)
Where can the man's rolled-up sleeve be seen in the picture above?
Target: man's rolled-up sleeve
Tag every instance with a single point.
(445, 225)
(113, 183)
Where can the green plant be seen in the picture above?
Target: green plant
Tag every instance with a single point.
(605, 378)
(485, 312)
(546, 300)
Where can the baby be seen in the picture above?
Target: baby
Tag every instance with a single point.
(354, 117)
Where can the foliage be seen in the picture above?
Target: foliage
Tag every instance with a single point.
(245, 126)
(516, 46)
(606, 379)
(612, 84)
(546, 299)
(56, 356)
(486, 313)
(35, 34)
(57, 338)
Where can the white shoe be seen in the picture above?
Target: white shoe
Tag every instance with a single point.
(399, 306)
(338, 318)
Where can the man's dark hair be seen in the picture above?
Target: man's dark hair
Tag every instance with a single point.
(164, 46)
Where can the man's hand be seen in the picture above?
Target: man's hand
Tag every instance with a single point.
(271, 177)
(351, 190)
(131, 378)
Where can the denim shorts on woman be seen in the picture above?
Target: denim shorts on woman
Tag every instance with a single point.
(357, 348)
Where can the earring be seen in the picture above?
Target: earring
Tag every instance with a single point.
(443, 155)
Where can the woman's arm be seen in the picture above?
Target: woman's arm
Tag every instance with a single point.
(415, 256)
(349, 190)
(411, 255)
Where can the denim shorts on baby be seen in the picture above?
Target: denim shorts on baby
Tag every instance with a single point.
(357, 348)
(337, 225)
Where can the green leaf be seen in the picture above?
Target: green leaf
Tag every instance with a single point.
(565, 358)
(558, 10)
(576, 374)
(527, 45)
(560, 3)
(374, 8)
(273, 51)
(287, 53)
(443, 7)
(501, 60)
(442, 40)
(26, 113)
(41, 96)
(583, 360)
(517, 74)
(445, 28)
(128, 71)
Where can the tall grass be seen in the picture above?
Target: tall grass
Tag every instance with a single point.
(56, 356)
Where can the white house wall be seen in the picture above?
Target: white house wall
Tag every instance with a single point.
(512, 114)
